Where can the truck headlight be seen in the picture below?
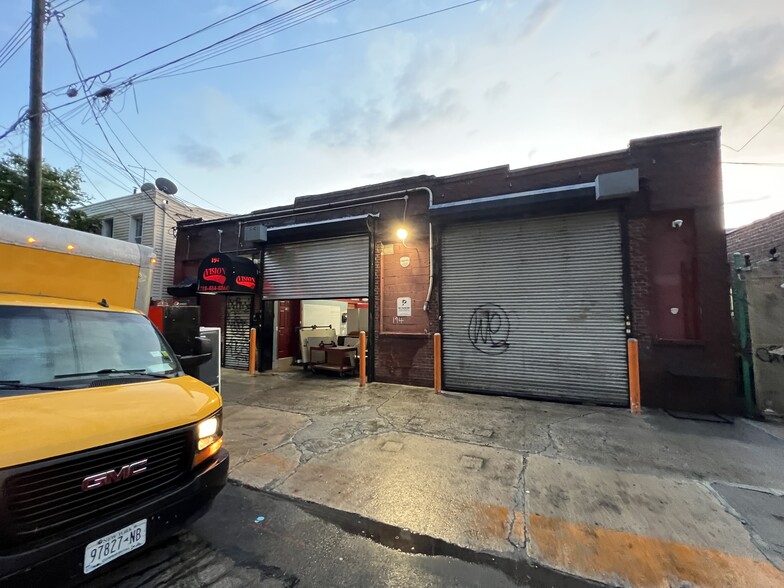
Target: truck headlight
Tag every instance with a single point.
(209, 438)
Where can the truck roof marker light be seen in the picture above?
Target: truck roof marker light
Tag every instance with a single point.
(31, 240)
(70, 247)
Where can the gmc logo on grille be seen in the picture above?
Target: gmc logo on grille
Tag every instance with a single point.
(112, 476)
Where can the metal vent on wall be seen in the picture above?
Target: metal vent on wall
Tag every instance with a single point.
(324, 268)
(534, 307)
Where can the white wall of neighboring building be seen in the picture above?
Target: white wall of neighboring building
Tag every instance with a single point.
(160, 214)
(325, 312)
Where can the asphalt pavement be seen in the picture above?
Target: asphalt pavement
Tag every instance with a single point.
(250, 538)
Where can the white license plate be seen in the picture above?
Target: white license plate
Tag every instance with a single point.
(108, 548)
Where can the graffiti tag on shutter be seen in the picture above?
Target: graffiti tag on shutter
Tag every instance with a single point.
(489, 329)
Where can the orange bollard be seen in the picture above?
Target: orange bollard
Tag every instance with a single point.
(362, 359)
(634, 375)
(437, 362)
(252, 353)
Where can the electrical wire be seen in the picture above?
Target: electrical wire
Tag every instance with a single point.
(325, 41)
(16, 42)
(312, 12)
(231, 17)
(763, 163)
(79, 166)
(222, 41)
(89, 148)
(163, 167)
(755, 135)
(22, 35)
(92, 106)
(58, 17)
(124, 85)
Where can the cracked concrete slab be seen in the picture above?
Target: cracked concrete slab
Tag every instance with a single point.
(451, 466)
(495, 421)
(665, 508)
(635, 529)
(268, 469)
(470, 508)
(250, 431)
(660, 444)
(763, 513)
(303, 393)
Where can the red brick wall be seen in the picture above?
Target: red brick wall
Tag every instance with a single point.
(684, 173)
(638, 265)
(404, 358)
(758, 238)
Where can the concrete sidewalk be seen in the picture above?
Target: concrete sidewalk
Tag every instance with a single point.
(591, 491)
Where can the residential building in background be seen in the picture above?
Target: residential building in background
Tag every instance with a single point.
(757, 239)
(148, 218)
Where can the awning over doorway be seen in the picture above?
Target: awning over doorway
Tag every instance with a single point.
(223, 273)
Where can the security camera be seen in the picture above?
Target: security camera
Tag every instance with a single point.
(677, 223)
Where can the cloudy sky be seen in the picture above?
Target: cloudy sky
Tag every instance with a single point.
(494, 82)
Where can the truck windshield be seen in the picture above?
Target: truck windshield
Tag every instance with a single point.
(39, 344)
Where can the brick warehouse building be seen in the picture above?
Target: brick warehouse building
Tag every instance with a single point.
(535, 277)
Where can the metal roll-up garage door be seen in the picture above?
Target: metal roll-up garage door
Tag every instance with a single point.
(236, 352)
(324, 268)
(534, 307)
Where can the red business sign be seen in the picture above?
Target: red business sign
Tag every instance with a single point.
(222, 272)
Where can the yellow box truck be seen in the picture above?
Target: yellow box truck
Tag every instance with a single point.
(106, 445)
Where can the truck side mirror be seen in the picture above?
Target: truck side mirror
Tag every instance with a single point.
(203, 355)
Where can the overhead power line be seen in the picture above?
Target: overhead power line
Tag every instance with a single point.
(755, 135)
(98, 122)
(325, 41)
(113, 90)
(225, 40)
(163, 167)
(231, 17)
(22, 35)
(279, 25)
(18, 40)
(762, 163)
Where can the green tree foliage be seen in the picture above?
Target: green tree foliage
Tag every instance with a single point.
(61, 194)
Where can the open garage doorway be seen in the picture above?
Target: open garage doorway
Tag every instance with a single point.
(318, 335)
(315, 300)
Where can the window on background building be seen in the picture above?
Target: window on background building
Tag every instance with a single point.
(137, 225)
(107, 227)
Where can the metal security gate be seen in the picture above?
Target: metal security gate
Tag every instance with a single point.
(323, 268)
(236, 350)
(534, 307)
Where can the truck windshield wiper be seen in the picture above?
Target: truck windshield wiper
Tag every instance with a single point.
(139, 372)
(17, 385)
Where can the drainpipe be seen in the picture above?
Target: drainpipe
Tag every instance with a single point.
(430, 248)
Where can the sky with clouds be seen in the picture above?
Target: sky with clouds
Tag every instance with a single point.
(495, 82)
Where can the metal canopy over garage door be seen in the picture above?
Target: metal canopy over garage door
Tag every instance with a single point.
(324, 268)
(534, 307)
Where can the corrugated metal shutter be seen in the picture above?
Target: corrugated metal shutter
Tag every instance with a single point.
(325, 268)
(237, 341)
(534, 307)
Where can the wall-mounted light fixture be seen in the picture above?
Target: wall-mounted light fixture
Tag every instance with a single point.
(402, 233)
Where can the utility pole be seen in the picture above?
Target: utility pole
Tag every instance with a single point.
(35, 111)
